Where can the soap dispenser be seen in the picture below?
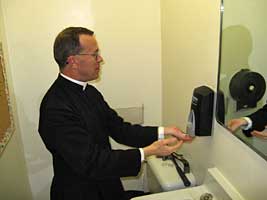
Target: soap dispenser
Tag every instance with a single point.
(201, 112)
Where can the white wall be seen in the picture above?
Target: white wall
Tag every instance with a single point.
(239, 164)
(129, 37)
(190, 58)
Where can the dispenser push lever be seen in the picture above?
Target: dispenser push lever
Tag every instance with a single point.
(185, 180)
(184, 161)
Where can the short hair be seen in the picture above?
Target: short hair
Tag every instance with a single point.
(67, 43)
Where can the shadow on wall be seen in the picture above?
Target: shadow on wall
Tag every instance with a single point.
(236, 48)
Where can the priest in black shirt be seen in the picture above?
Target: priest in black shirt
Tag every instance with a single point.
(75, 124)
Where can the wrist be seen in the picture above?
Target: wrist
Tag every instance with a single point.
(147, 151)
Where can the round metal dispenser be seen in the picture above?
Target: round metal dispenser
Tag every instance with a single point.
(247, 88)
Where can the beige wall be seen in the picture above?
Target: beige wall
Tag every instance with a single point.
(190, 58)
(129, 38)
(189, 53)
(190, 32)
(13, 172)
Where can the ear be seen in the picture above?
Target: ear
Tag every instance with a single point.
(71, 61)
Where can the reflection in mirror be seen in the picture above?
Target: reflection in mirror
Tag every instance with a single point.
(241, 82)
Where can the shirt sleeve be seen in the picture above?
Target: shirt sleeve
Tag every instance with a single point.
(160, 133)
(142, 154)
(66, 137)
(248, 125)
(123, 132)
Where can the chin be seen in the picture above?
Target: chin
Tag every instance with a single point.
(93, 78)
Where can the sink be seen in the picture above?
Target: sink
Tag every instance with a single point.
(214, 184)
(193, 193)
(182, 194)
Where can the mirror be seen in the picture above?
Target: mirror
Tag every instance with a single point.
(243, 49)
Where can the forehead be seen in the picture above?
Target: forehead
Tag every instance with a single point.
(88, 42)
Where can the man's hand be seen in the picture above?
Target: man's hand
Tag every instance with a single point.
(176, 132)
(163, 147)
(234, 124)
(260, 134)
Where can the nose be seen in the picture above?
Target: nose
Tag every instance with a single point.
(100, 59)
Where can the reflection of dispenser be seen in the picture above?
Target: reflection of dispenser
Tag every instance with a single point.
(201, 113)
(220, 107)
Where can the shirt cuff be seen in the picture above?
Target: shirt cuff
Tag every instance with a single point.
(160, 133)
(248, 125)
(142, 154)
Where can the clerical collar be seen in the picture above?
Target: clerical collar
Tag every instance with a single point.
(84, 84)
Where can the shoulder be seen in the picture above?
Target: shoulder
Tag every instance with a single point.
(55, 97)
(92, 90)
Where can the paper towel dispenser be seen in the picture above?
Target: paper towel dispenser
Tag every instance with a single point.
(201, 112)
(247, 88)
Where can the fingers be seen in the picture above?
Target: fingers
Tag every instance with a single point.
(187, 138)
(169, 145)
(234, 124)
(229, 124)
(169, 141)
(183, 136)
(176, 146)
(259, 134)
(176, 132)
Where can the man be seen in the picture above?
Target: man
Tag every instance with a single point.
(76, 122)
(252, 125)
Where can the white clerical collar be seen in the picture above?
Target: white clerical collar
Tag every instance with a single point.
(84, 84)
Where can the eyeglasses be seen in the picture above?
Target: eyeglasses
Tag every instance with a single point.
(95, 55)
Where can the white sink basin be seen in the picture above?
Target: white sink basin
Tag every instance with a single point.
(182, 194)
(214, 184)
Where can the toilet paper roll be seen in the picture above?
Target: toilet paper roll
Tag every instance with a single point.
(247, 88)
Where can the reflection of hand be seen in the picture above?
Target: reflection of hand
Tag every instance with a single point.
(163, 147)
(260, 134)
(234, 124)
(176, 132)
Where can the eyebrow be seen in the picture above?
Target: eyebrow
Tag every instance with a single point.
(97, 50)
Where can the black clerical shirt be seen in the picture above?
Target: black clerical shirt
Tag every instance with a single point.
(75, 126)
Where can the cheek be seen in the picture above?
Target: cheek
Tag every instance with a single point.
(87, 67)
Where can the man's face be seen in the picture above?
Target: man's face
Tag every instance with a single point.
(88, 60)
